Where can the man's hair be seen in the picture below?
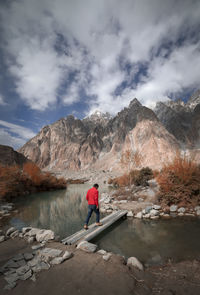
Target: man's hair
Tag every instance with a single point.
(96, 185)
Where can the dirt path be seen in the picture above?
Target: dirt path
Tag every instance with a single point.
(89, 274)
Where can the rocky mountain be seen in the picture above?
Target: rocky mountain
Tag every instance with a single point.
(99, 140)
(9, 157)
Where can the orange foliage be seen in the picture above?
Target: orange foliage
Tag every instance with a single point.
(179, 181)
(15, 181)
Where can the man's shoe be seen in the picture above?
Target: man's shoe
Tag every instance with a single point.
(99, 224)
(85, 226)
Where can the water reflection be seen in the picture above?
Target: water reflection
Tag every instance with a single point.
(62, 211)
(154, 242)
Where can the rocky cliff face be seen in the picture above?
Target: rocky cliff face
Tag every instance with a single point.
(99, 140)
(9, 157)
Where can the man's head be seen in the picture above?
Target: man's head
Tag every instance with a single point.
(96, 185)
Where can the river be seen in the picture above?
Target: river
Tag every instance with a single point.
(152, 242)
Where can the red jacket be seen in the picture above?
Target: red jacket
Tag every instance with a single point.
(92, 196)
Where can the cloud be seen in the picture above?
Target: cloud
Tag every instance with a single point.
(14, 135)
(58, 50)
(2, 102)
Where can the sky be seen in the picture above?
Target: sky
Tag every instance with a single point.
(62, 57)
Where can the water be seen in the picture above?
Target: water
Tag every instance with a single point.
(152, 242)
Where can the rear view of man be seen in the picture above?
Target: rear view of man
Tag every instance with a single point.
(93, 205)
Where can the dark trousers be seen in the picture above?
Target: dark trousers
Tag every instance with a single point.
(92, 208)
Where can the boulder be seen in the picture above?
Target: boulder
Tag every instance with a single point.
(39, 246)
(173, 208)
(156, 207)
(107, 256)
(67, 255)
(40, 266)
(2, 238)
(147, 209)
(28, 256)
(22, 270)
(198, 212)
(181, 210)
(26, 229)
(87, 247)
(129, 214)
(45, 235)
(18, 257)
(133, 261)
(138, 215)
(154, 212)
(49, 253)
(10, 231)
(197, 208)
(57, 260)
(10, 286)
(14, 234)
(26, 275)
(33, 232)
(102, 252)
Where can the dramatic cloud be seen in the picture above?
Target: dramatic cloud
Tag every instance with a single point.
(102, 52)
(14, 135)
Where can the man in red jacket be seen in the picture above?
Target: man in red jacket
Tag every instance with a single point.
(93, 205)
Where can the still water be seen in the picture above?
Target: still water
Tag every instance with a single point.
(152, 242)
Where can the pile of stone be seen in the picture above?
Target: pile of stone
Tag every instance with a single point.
(30, 234)
(155, 212)
(24, 266)
(5, 209)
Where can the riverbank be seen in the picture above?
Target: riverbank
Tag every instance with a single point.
(89, 273)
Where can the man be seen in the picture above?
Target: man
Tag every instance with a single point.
(93, 205)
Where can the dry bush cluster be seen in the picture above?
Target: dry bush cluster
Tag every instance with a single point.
(16, 181)
(136, 177)
(180, 182)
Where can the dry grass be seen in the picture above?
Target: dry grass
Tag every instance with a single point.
(180, 182)
(15, 181)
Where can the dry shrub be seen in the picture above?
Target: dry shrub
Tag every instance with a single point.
(15, 181)
(179, 182)
(137, 177)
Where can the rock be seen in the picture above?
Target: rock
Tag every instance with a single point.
(21, 262)
(21, 235)
(154, 212)
(33, 278)
(138, 215)
(11, 278)
(2, 238)
(129, 214)
(26, 229)
(148, 209)
(36, 247)
(146, 216)
(33, 232)
(107, 201)
(14, 234)
(166, 216)
(26, 275)
(133, 261)
(181, 210)
(107, 256)
(22, 270)
(152, 183)
(46, 235)
(40, 266)
(140, 200)
(49, 253)
(102, 252)
(197, 208)
(102, 210)
(154, 217)
(67, 255)
(30, 240)
(109, 211)
(10, 231)
(116, 202)
(180, 214)
(18, 257)
(87, 247)
(198, 212)
(28, 256)
(11, 264)
(10, 286)
(57, 260)
(156, 207)
(173, 208)
(36, 260)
